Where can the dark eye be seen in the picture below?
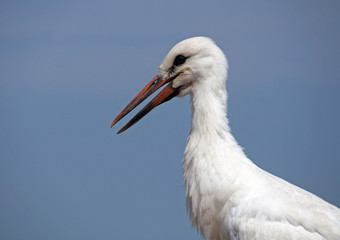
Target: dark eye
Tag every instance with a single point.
(179, 60)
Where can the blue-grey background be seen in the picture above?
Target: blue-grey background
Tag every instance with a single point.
(68, 67)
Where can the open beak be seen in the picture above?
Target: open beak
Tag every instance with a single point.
(166, 94)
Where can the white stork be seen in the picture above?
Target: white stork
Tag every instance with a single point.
(227, 195)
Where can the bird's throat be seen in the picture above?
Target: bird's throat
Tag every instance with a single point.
(209, 160)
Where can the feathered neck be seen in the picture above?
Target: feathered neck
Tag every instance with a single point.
(212, 159)
(209, 108)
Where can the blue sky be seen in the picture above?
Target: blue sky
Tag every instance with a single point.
(68, 67)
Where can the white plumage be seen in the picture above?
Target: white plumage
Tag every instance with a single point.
(227, 196)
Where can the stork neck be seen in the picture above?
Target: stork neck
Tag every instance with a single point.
(210, 126)
(209, 112)
(212, 159)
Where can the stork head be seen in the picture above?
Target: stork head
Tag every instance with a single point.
(193, 61)
(191, 64)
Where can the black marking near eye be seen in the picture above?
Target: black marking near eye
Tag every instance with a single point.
(179, 60)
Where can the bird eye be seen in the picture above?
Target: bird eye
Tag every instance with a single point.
(179, 60)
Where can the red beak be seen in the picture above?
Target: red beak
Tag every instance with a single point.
(166, 94)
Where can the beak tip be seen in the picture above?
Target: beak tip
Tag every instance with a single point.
(114, 122)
